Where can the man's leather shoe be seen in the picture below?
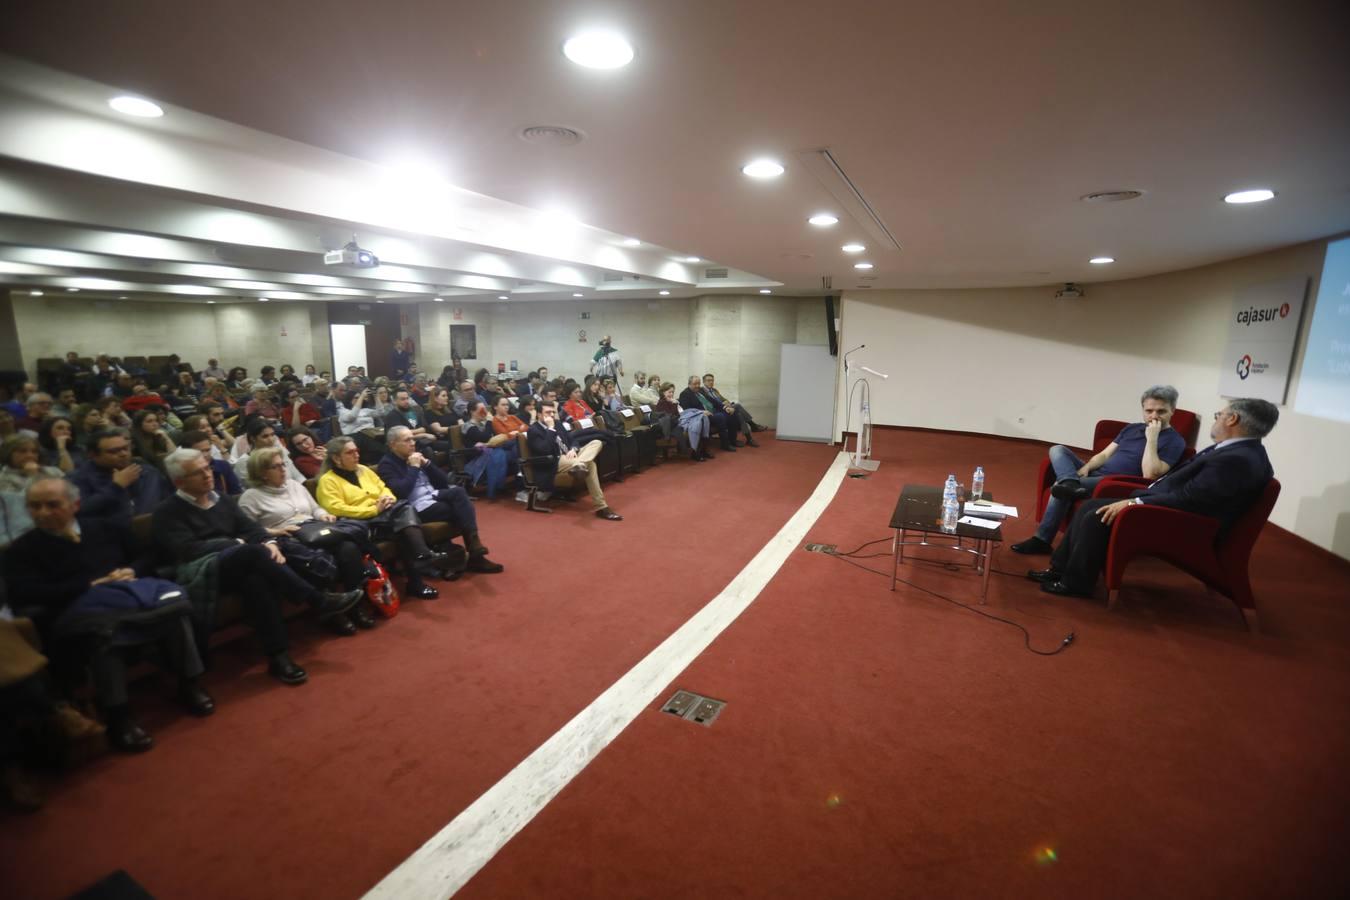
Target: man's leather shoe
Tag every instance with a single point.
(609, 514)
(431, 558)
(283, 669)
(335, 602)
(425, 592)
(727, 448)
(1062, 589)
(196, 699)
(339, 623)
(706, 455)
(1044, 575)
(478, 562)
(360, 616)
(129, 737)
(751, 442)
(1069, 489)
(1033, 546)
(755, 426)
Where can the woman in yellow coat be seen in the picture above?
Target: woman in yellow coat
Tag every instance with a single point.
(350, 490)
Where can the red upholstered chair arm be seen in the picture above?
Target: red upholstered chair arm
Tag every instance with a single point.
(1183, 538)
(1119, 486)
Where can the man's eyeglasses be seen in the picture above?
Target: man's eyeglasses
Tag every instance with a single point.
(1222, 412)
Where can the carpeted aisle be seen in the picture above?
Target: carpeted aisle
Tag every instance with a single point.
(894, 745)
(318, 791)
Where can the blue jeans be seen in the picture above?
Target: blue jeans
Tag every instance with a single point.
(1066, 465)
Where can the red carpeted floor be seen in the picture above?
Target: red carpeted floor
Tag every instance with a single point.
(318, 791)
(880, 744)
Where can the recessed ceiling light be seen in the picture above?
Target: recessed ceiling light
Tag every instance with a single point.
(136, 106)
(765, 291)
(632, 242)
(439, 299)
(1255, 195)
(72, 290)
(1102, 260)
(35, 293)
(122, 297)
(503, 297)
(762, 168)
(379, 301)
(692, 259)
(664, 293)
(577, 295)
(264, 299)
(823, 220)
(210, 303)
(599, 50)
(853, 248)
(862, 265)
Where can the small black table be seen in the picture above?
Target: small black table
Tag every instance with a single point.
(919, 509)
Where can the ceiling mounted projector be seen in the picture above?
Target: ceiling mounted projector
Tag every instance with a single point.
(1069, 291)
(351, 255)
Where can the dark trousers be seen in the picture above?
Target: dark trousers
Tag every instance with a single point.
(1081, 555)
(453, 506)
(726, 427)
(108, 660)
(351, 564)
(250, 572)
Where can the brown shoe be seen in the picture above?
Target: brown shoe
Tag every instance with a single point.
(75, 725)
(607, 513)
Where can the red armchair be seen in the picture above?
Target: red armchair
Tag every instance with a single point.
(1185, 422)
(1188, 542)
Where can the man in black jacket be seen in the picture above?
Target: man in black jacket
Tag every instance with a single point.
(1221, 482)
(197, 522)
(56, 564)
(111, 485)
(546, 441)
(412, 477)
(693, 397)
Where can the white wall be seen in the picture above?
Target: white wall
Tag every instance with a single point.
(1018, 362)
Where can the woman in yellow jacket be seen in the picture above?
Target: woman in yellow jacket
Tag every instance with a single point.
(350, 490)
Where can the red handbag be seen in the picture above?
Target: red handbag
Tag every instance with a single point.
(380, 589)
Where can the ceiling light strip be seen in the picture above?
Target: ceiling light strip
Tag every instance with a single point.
(833, 178)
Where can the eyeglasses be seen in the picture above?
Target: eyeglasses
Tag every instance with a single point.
(1222, 412)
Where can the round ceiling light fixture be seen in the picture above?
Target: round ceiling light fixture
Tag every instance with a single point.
(268, 299)
(578, 295)
(823, 220)
(664, 293)
(863, 265)
(1102, 260)
(503, 297)
(599, 50)
(1252, 195)
(762, 168)
(693, 259)
(439, 299)
(72, 290)
(35, 293)
(765, 291)
(632, 242)
(136, 106)
(853, 248)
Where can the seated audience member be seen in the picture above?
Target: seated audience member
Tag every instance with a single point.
(530, 386)
(543, 374)
(527, 410)
(111, 485)
(576, 405)
(214, 424)
(288, 375)
(296, 411)
(329, 396)
(439, 415)
(87, 419)
(65, 403)
(149, 442)
(357, 416)
(504, 422)
(593, 394)
(412, 477)
(737, 413)
(310, 376)
(545, 440)
(261, 433)
(382, 402)
(39, 405)
(408, 414)
(114, 416)
(19, 468)
(613, 400)
(268, 375)
(56, 444)
(640, 394)
(219, 393)
(185, 387)
(1220, 482)
(418, 389)
(489, 458)
(81, 581)
(7, 426)
(448, 378)
(216, 546)
(289, 513)
(1145, 449)
(261, 403)
(226, 483)
(306, 452)
(350, 490)
(213, 370)
(692, 397)
(467, 395)
(168, 373)
(237, 379)
(695, 422)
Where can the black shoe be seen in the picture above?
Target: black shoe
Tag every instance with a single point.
(196, 699)
(283, 669)
(335, 602)
(339, 623)
(1069, 489)
(1063, 589)
(754, 426)
(705, 455)
(425, 592)
(751, 442)
(609, 514)
(431, 558)
(125, 735)
(696, 456)
(457, 558)
(1033, 546)
(727, 448)
(360, 616)
(1044, 575)
(478, 562)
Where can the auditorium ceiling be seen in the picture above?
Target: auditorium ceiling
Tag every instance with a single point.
(955, 142)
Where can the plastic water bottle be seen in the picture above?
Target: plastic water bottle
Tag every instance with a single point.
(951, 510)
(977, 483)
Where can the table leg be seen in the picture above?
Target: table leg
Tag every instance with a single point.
(897, 547)
(986, 559)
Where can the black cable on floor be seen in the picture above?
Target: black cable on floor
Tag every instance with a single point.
(1026, 635)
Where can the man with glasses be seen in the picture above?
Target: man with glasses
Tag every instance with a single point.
(1220, 482)
(206, 534)
(111, 485)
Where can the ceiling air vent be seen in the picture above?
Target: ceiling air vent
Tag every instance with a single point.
(551, 135)
(714, 273)
(826, 282)
(1111, 196)
(612, 276)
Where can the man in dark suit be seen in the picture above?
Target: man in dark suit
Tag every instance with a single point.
(693, 397)
(551, 454)
(1221, 482)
